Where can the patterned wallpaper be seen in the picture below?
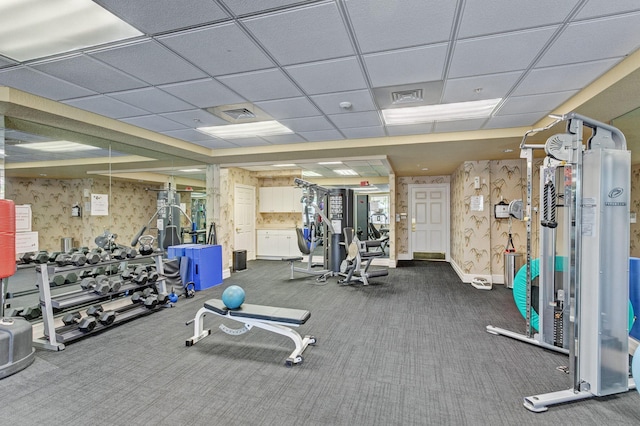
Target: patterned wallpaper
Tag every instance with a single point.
(130, 207)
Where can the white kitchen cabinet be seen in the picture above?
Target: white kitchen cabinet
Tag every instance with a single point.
(280, 199)
(276, 243)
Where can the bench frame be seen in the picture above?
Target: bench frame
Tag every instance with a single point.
(278, 327)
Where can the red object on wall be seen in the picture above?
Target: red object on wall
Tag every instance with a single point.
(7, 238)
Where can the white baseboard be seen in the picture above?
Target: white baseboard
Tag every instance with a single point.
(467, 278)
(226, 273)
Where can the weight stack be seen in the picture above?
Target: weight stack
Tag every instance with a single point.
(16, 349)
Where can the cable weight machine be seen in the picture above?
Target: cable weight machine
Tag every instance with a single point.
(587, 241)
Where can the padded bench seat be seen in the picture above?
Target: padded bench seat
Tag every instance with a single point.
(260, 312)
(269, 318)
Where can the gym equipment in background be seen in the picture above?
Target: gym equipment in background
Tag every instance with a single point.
(276, 320)
(355, 267)
(585, 195)
(16, 349)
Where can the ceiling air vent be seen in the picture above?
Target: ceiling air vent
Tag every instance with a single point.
(406, 96)
(239, 114)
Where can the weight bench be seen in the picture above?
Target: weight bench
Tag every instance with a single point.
(276, 320)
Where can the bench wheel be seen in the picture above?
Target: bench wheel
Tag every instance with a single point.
(312, 341)
(292, 361)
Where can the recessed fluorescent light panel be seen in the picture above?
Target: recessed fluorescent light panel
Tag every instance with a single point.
(59, 146)
(190, 170)
(324, 163)
(284, 165)
(310, 173)
(442, 112)
(246, 130)
(38, 28)
(346, 172)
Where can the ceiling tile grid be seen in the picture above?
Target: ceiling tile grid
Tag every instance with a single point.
(299, 60)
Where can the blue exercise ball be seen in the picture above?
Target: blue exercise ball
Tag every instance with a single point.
(233, 297)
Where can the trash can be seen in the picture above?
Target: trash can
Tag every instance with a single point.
(66, 244)
(512, 264)
(239, 260)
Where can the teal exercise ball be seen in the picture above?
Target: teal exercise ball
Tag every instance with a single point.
(233, 297)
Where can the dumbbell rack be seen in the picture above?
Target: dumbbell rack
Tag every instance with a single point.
(55, 341)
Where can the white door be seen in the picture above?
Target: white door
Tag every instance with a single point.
(245, 219)
(429, 221)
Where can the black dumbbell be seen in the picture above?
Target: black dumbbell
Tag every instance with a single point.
(98, 270)
(87, 323)
(93, 257)
(26, 257)
(13, 312)
(57, 279)
(84, 250)
(75, 259)
(115, 283)
(131, 252)
(163, 298)
(100, 284)
(127, 274)
(152, 276)
(31, 257)
(54, 255)
(31, 313)
(119, 253)
(107, 318)
(71, 278)
(149, 300)
(140, 276)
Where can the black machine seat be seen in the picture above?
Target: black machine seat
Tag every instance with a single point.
(260, 312)
(302, 242)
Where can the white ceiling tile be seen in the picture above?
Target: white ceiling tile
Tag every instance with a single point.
(157, 16)
(190, 135)
(307, 124)
(218, 50)
(284, 139)
(560, 78)
(153, 122)
(243, 7)
(303, 34)
(413, 65)
(491, 87)
(106, 106)
(412, 129)
(364, 132)
(336, 75)
(203, 93)
(583, 41)
(356, 119)
(383, 25)
(152, 100)
(598, 8)
(194, 118)
(289, 108)
(458, 126)
(515, 120)
(501, 53)
(261, 85)
(40, 84)
(322, 135)
(330, 103)
(534, 103)
(87, 72)
(496, 16)
(149, 61)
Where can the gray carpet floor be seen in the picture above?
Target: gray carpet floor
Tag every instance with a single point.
(410, 349)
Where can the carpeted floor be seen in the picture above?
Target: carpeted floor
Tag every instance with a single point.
(410, 349)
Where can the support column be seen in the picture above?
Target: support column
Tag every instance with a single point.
(212, 183)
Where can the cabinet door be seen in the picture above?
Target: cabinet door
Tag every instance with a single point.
(264, 202)
(296, 200)
(262, 243)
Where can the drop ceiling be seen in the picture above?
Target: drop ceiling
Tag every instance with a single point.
(297, 61)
